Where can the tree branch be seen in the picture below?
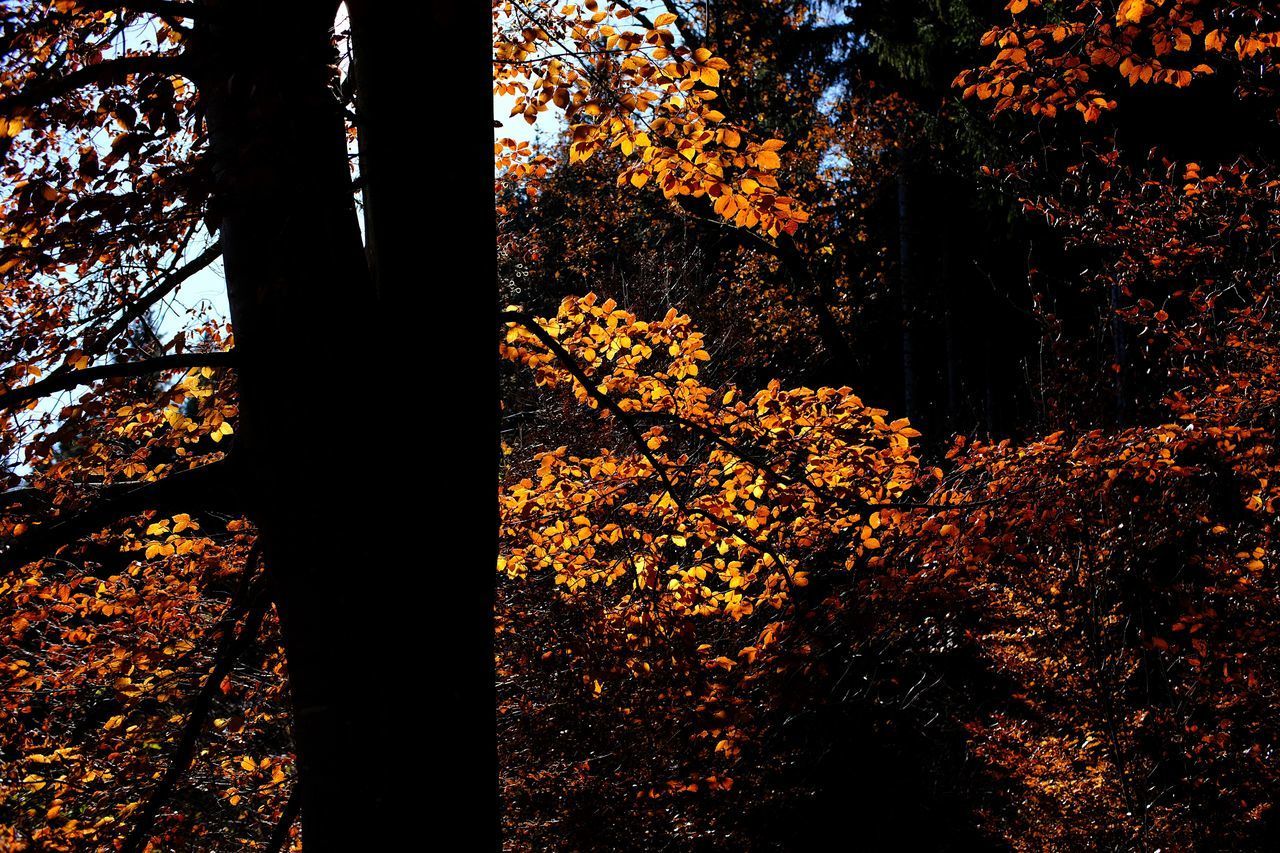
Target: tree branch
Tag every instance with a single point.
(24, 495)
(805, 286)
(638, 14)
(206, 486)
(571, 364)
(158, 291)
(64, 381)
(108, 71)
(737, 450)
(628, 423)
(691, 37)
(233, 645)
(280, 836)
(159, 8)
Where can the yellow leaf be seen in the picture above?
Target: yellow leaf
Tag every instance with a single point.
(1131, 11)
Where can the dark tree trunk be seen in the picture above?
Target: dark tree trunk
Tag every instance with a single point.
(386, 650)
(907, 285)
(429, 210)
(944, 283)
(310, 450)
(374, 102)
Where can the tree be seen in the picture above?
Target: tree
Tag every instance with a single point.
(1064, 627)
(145, 143)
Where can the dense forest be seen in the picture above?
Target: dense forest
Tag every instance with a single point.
(889, 425)
(875, 446)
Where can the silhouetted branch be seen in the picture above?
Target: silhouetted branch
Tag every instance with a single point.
(151, 296)
(73, 378)
(628, 423)
(159, 8)
(233, 645)
(109, 71)
(571, 364)
(280, 836)
(204, 487)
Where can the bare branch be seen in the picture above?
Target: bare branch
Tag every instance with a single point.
(25, 496)
(162, 288)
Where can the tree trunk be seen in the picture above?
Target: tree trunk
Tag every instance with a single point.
(429, 208)
(946, 285)
(907, 283)
(328, 340)
(306, 451)
(371, 49)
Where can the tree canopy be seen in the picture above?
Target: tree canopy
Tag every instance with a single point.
(951, 525)
(206, 316)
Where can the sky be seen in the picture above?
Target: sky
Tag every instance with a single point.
(515, 127)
